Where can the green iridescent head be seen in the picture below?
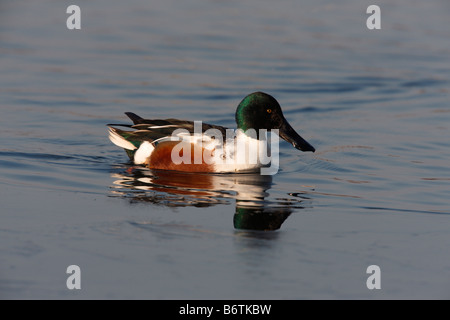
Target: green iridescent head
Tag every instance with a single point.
(260, 110)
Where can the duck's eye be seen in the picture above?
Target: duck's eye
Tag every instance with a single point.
(269, 110)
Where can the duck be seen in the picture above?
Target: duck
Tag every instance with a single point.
(194, 146)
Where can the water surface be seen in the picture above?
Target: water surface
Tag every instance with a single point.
(374, 104)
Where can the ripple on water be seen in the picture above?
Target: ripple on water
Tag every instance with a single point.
(257, 205)
(53, 171)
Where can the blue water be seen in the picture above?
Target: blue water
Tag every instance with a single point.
(374, 104)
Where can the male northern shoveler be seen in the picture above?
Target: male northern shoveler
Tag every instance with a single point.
(155, 142)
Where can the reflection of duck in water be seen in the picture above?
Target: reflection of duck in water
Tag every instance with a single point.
(253, 211)
(178, 145)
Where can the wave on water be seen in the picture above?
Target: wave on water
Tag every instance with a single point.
(69, 172)
(256, 206)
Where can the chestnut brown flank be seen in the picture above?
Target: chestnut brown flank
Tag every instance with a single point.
(161, 158)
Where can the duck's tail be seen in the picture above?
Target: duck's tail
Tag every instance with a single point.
(138, 150)
(118, 137)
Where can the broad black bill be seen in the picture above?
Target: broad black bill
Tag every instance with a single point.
(290, 135)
